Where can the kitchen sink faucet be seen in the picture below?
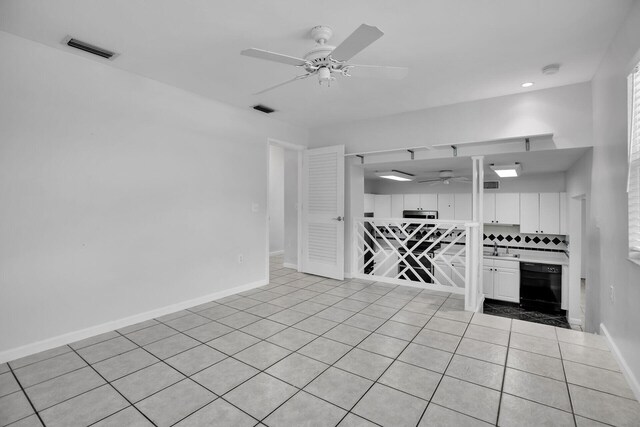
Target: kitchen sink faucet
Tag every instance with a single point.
(495, 249)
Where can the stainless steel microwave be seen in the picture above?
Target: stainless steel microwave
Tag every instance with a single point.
(420, 214)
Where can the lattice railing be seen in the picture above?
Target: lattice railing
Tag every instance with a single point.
(431, 253)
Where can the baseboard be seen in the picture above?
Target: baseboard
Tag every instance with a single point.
(348, 275)
(290, 265)
(49, 343)
(274, 253)
(624, 367)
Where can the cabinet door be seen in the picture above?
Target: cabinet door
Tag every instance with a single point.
(463, 209)
(443, 273)
(506, 284)
(382, 206)
(445, 206)
(429, 202)
(487, 281)
(489, 211)
(456, 277)
(550, 213)
(529, 213)
(369, 204)
(411, 202)
(563, 214)
(397, 205)
(508, 208)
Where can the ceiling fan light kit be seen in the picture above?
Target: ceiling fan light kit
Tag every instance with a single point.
(325, 61)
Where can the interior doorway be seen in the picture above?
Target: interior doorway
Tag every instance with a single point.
(282, 205)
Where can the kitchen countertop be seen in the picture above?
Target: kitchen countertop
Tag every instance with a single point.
(542, 257)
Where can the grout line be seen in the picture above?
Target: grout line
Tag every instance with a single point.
(25, 395)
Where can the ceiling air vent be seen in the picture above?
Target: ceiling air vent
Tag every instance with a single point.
(491, 185)
(95, 50)
(263, 108)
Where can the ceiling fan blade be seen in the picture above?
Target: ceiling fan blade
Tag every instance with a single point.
(362, 37)
(431, 180)
(300, 77)
(272, 56)
(378, 72)
(460, 179)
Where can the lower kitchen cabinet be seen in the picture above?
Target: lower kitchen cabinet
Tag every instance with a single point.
(501, 280)
(446, 273)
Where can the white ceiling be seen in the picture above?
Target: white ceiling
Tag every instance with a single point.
(456, 50)
(532, 162)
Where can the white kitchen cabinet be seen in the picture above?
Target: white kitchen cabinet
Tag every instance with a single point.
(397, 205)
(501, 208)
(462, 205)
(507, 208)
(368, 202)
(540, 213)
(487, 279)
(529, 213)
(411, 202)
(501, 280)
(564, 229)
(429, 202)
(489, 208)
(423, 202)
(382, 206)
(446, 203)
(549, 213)
(506, 284)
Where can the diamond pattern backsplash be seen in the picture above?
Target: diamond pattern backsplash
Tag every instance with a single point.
(511, 236)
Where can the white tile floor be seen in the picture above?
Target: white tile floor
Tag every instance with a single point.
(308, 351)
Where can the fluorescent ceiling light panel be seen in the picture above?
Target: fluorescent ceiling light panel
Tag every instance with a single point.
(507, 171)
(395, 175)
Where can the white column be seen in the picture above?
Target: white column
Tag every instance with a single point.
(473, 297)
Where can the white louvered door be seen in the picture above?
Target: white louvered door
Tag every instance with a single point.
(323, 212)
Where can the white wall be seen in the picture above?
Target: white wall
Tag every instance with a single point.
(291, 207)
(564, 111)
(276, 199)
(551, 182)
(608, 231)
(120, 194)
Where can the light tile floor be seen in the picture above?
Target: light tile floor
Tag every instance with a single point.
(309, 351)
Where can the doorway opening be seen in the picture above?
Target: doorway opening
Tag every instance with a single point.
(283, 196)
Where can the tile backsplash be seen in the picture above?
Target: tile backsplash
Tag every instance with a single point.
(511, 236)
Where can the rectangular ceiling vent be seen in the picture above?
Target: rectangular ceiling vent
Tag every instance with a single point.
(87, 47)
(263, 108)
(491, 185)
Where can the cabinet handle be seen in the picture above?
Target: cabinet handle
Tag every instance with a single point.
(541, 231)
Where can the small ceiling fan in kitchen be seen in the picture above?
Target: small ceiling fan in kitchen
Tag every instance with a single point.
(327, 62)
(446, 177)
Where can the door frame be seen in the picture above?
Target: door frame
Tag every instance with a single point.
(299, 149)
(577, 232)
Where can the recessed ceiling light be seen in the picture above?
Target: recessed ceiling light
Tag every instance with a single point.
(395, 175)
(527, 84)
(506, 171)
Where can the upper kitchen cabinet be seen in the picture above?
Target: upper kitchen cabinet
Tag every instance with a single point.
(446, 203)
(502, 208)
(425, 202)
(411, 202)
(382, 206)
(369, 204)
(463, 209)
(429, 202)
(397, 205)
(540, 213)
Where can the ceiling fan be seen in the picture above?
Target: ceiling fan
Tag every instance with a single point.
(446, 177)
(326, 61)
